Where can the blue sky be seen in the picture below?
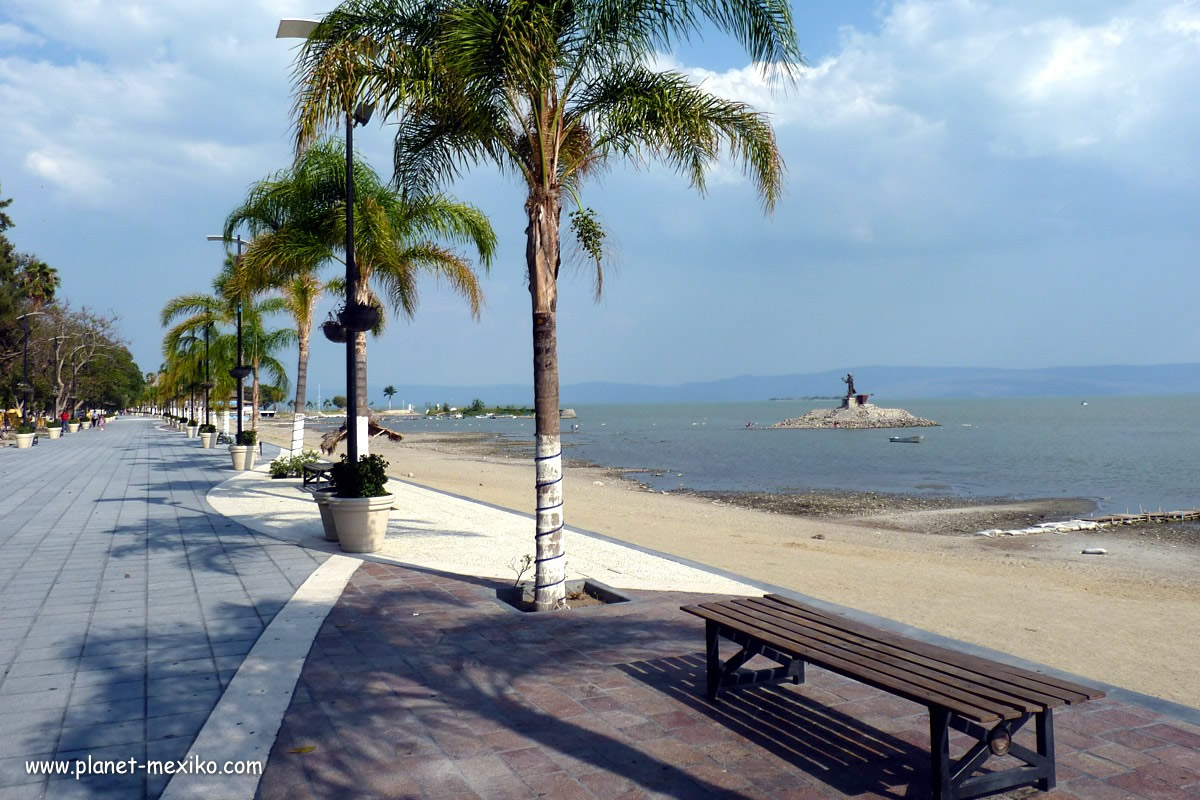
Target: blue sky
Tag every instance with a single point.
(970, 182)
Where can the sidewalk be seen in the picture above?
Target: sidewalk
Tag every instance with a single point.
(129, 605)
(126, 605)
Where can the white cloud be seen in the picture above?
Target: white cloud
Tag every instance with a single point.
(70, 172)
(13, 36)
(1013, 81)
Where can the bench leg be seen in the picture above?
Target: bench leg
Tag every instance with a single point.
(712, 649)
(939, 754)
(730, 673)
(1044, 724)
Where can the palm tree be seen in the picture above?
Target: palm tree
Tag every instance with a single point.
(389, 392)
(37, 281)
(552, 91)
(298, 221)
(191, 313)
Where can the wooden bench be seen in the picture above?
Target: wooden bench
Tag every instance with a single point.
(316, 473)
(984, 699)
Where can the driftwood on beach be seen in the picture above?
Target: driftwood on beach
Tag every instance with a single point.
(330, 440)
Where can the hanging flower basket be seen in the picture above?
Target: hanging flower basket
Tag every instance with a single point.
(333, 331)
(358, 317)
(240, 372)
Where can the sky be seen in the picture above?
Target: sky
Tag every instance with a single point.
(969, 183)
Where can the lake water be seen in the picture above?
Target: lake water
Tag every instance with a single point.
(1125, 453)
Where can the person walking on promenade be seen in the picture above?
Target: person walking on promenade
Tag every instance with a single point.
(64, 416)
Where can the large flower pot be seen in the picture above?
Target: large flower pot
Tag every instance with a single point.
(361, 522)
(72, 427)
(243, 456)
(191, 431)
(322, 497)
(85, 424)
(25, 440)
(207, 440)
(54, 432)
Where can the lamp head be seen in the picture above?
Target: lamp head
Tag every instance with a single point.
(362, 114)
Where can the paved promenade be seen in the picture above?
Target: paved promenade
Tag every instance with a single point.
(132, 619)
(126, 604)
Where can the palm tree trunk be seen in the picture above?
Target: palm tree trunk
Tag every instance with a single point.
(254, 399)
(542, 260)
(301, 391)
(360, 390)
(362, 295)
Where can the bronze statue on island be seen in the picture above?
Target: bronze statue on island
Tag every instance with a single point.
(849, 381)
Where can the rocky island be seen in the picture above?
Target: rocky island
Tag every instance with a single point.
(856, 412)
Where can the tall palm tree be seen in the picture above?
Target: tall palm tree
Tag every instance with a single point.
(552, 91)
(389, 392)
(298, 220)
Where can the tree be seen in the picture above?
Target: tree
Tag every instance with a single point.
(37, 281)
(339, 401)
(552, 91)
(389, 392)
(191, 313)
(476, 406)
(298, 221)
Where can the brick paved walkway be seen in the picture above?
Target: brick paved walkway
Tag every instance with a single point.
(421, 686)
(125, 604)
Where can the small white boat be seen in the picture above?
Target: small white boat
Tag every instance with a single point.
(906, 439)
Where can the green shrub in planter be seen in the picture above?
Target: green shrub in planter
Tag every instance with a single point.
(192, 423)
(26, 429)
(54, 423)
(247, 438)
(292, 466)
(209, 428)
(73, 421)
(367, 478)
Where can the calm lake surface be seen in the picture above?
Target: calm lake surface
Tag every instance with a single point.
(1125, 453)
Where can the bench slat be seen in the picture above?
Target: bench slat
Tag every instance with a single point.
(1066, 691)
(971, 683)
(923, 692)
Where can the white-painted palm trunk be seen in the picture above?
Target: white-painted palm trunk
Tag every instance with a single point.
(364, 439)
(549, 549)
(297, 434)
(225, 422)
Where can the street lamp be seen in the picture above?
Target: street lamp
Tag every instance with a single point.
(355, 317)
(239, 372)
(208, 384)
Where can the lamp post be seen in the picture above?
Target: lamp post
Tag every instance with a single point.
(355, 317)
(239, 372)
(208, 385)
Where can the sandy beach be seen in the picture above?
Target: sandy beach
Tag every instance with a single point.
(1130, 618)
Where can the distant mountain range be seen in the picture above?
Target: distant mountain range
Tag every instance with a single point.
(881, 382)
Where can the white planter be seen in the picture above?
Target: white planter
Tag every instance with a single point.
(25, 440)
(54, 432)
(191, 431)
(72, 427)
(243, 456)
(361, 522)
(322, 497)
(207, 440)
(85, 424)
